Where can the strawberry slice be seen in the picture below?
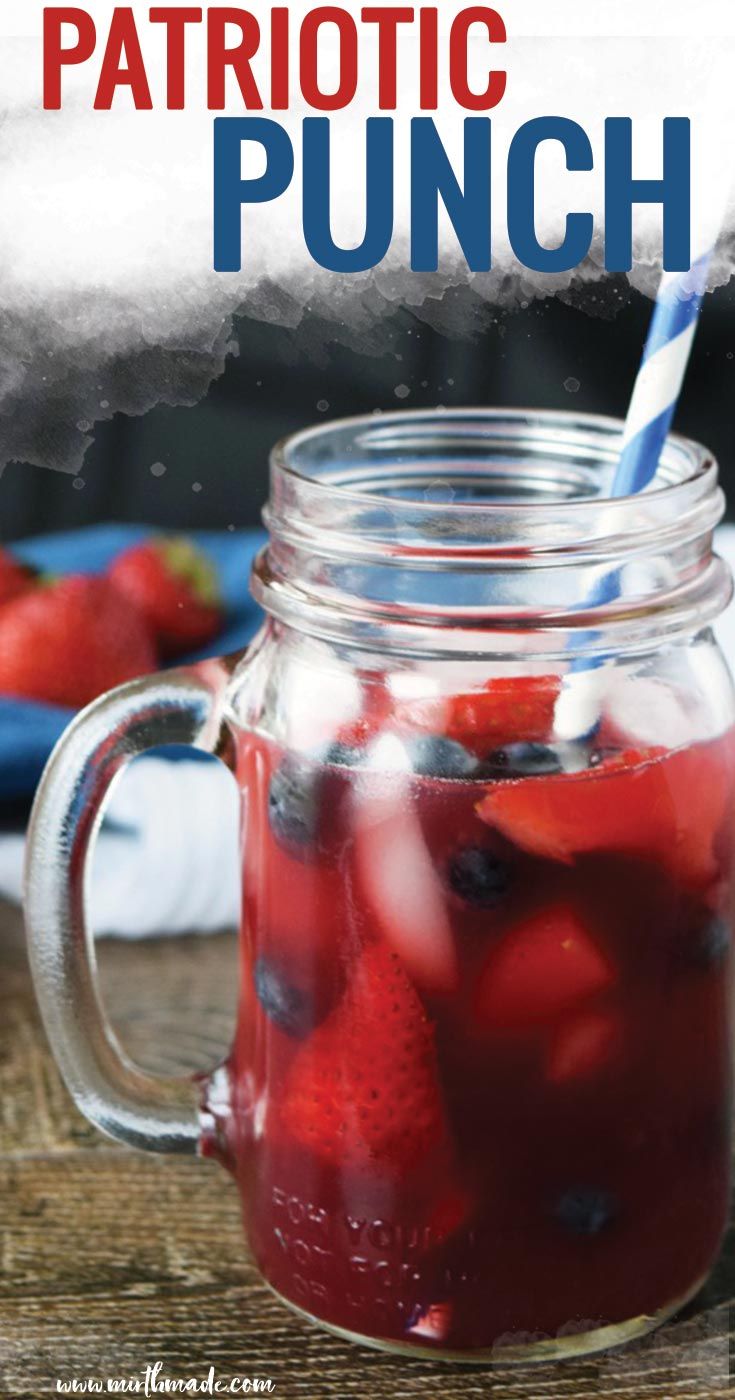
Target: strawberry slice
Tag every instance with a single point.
(701, 787)
(506, 710)
(510, 709)
(363, 1090)
(449, 1214)
(582, 1045)
(667, 809)
(542, 967)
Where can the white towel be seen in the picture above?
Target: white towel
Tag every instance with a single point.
(167, 859)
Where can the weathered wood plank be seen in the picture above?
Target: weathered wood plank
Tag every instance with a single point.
(111, 1260)
(172, 1002)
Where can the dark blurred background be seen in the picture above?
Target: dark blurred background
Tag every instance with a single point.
(206, 466)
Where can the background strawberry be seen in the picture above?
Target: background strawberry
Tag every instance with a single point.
(363, 1090)
(67, 642)
(15, 578)
(175, 587)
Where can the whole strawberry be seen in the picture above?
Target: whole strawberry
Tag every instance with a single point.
(15, 578)
(174, 585)
(363, 1090)
(68, 641)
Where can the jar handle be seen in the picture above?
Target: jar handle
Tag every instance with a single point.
(160, 1114)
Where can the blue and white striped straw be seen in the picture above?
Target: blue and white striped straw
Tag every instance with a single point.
(661, 375)
(652, 407)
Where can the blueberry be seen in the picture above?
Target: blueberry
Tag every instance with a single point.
(713, 943)
(433, 756)
(284, 1004)
(293, 804)
(586, 1210)
(602, 755)
(522, 761)
(477, 876)
(341, 755)
(576, 755)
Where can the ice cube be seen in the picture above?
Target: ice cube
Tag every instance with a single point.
(399, 881)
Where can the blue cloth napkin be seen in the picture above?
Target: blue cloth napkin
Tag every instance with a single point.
(28, 731)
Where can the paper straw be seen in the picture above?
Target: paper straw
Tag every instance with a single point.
(652, 407)
(661, 375)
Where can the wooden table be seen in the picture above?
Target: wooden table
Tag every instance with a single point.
(113, 1260)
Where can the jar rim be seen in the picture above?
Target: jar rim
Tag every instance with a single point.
(348, 557)
(599, 434)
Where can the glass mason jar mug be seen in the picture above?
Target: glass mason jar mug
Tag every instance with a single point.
(478, 1100)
